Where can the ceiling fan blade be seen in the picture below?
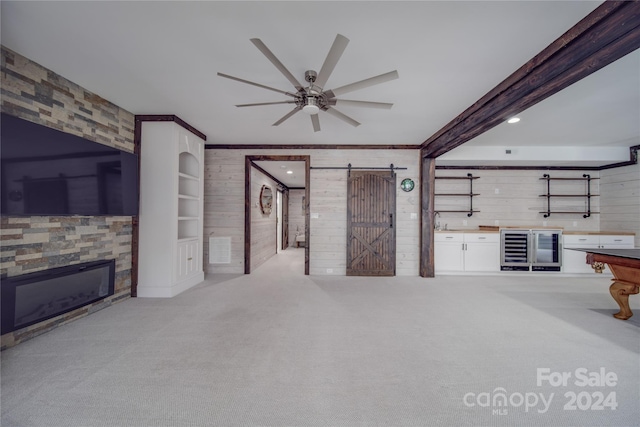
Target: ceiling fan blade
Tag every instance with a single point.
(266, 103)
(256, 84)
(286, 116)
(368, 104)
(342, 116)
(275, 61)
(336, 51)
(315, 121)
(382, 78)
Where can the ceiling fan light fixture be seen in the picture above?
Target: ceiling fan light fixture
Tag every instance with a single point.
(311, 106)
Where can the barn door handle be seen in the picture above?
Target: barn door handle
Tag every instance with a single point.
(391, 220)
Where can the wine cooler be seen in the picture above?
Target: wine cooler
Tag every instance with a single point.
(530, 250)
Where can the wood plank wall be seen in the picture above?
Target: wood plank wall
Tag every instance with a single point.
(512, 197)
(263, 226)
(224, 205)
(296, 215)
(620, 200)
(517, 202)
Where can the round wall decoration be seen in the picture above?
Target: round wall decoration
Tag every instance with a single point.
(266, 199)
(407, 184)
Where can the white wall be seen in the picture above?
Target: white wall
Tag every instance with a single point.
(620, 199)
(263, 226)
(328, 202)
(296, 215)
(512, 198)
(224, 205)
(517, 202)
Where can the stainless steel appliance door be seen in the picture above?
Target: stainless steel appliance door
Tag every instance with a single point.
(514, 249)
(547, 248)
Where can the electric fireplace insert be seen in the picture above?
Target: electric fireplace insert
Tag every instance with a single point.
(34, 297)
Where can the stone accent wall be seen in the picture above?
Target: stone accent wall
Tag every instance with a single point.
(30, 244)
(34, 93)
(36, 243)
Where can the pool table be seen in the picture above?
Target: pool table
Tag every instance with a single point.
(625, 266)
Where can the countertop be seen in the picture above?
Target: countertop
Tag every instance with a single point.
(599, 233)
(497, 230)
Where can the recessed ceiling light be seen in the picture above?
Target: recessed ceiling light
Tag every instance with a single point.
(289, 172)
(513, 120)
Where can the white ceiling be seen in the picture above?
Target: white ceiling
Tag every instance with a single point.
(280, 170)
(153, 57)
(591, 123)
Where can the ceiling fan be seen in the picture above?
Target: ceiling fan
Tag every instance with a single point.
(313, 98)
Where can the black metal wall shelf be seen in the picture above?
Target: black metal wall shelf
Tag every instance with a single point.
(470, 194)
(586, 195)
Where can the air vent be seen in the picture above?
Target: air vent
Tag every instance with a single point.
(219, 250)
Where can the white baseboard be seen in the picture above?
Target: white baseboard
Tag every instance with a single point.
(170, 291)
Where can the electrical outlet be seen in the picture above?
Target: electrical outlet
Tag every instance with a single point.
(497, 191)
(464, 222)
(414, 215)
(496, 222)
(329, 270)
(575, 223)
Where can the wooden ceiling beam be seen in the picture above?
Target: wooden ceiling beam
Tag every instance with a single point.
(607, 34)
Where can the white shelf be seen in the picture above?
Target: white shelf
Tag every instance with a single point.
(187, 228)
(188, 187)
(187, 176)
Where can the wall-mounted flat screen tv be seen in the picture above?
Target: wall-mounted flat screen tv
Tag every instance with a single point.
(49, 172)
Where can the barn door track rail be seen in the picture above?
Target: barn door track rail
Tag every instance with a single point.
(349, 168)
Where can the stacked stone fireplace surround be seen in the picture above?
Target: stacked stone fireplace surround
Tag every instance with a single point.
(36, 243)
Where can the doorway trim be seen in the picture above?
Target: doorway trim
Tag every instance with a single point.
(248, 164)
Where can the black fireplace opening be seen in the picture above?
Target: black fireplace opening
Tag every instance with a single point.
(32, 298)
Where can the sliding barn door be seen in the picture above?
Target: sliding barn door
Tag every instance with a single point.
(371, 237)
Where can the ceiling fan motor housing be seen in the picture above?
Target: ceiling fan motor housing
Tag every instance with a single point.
(310, 76)
(311, 98)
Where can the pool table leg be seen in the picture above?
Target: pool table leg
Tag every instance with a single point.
(620, 292)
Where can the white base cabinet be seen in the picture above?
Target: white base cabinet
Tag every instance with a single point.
(171, 210)
(467, 252)
(575, 261)
(448, 252)
(457, 252)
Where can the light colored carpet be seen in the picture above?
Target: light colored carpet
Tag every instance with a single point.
(277, 348)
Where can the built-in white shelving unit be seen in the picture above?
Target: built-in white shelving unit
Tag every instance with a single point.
(171, 209)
